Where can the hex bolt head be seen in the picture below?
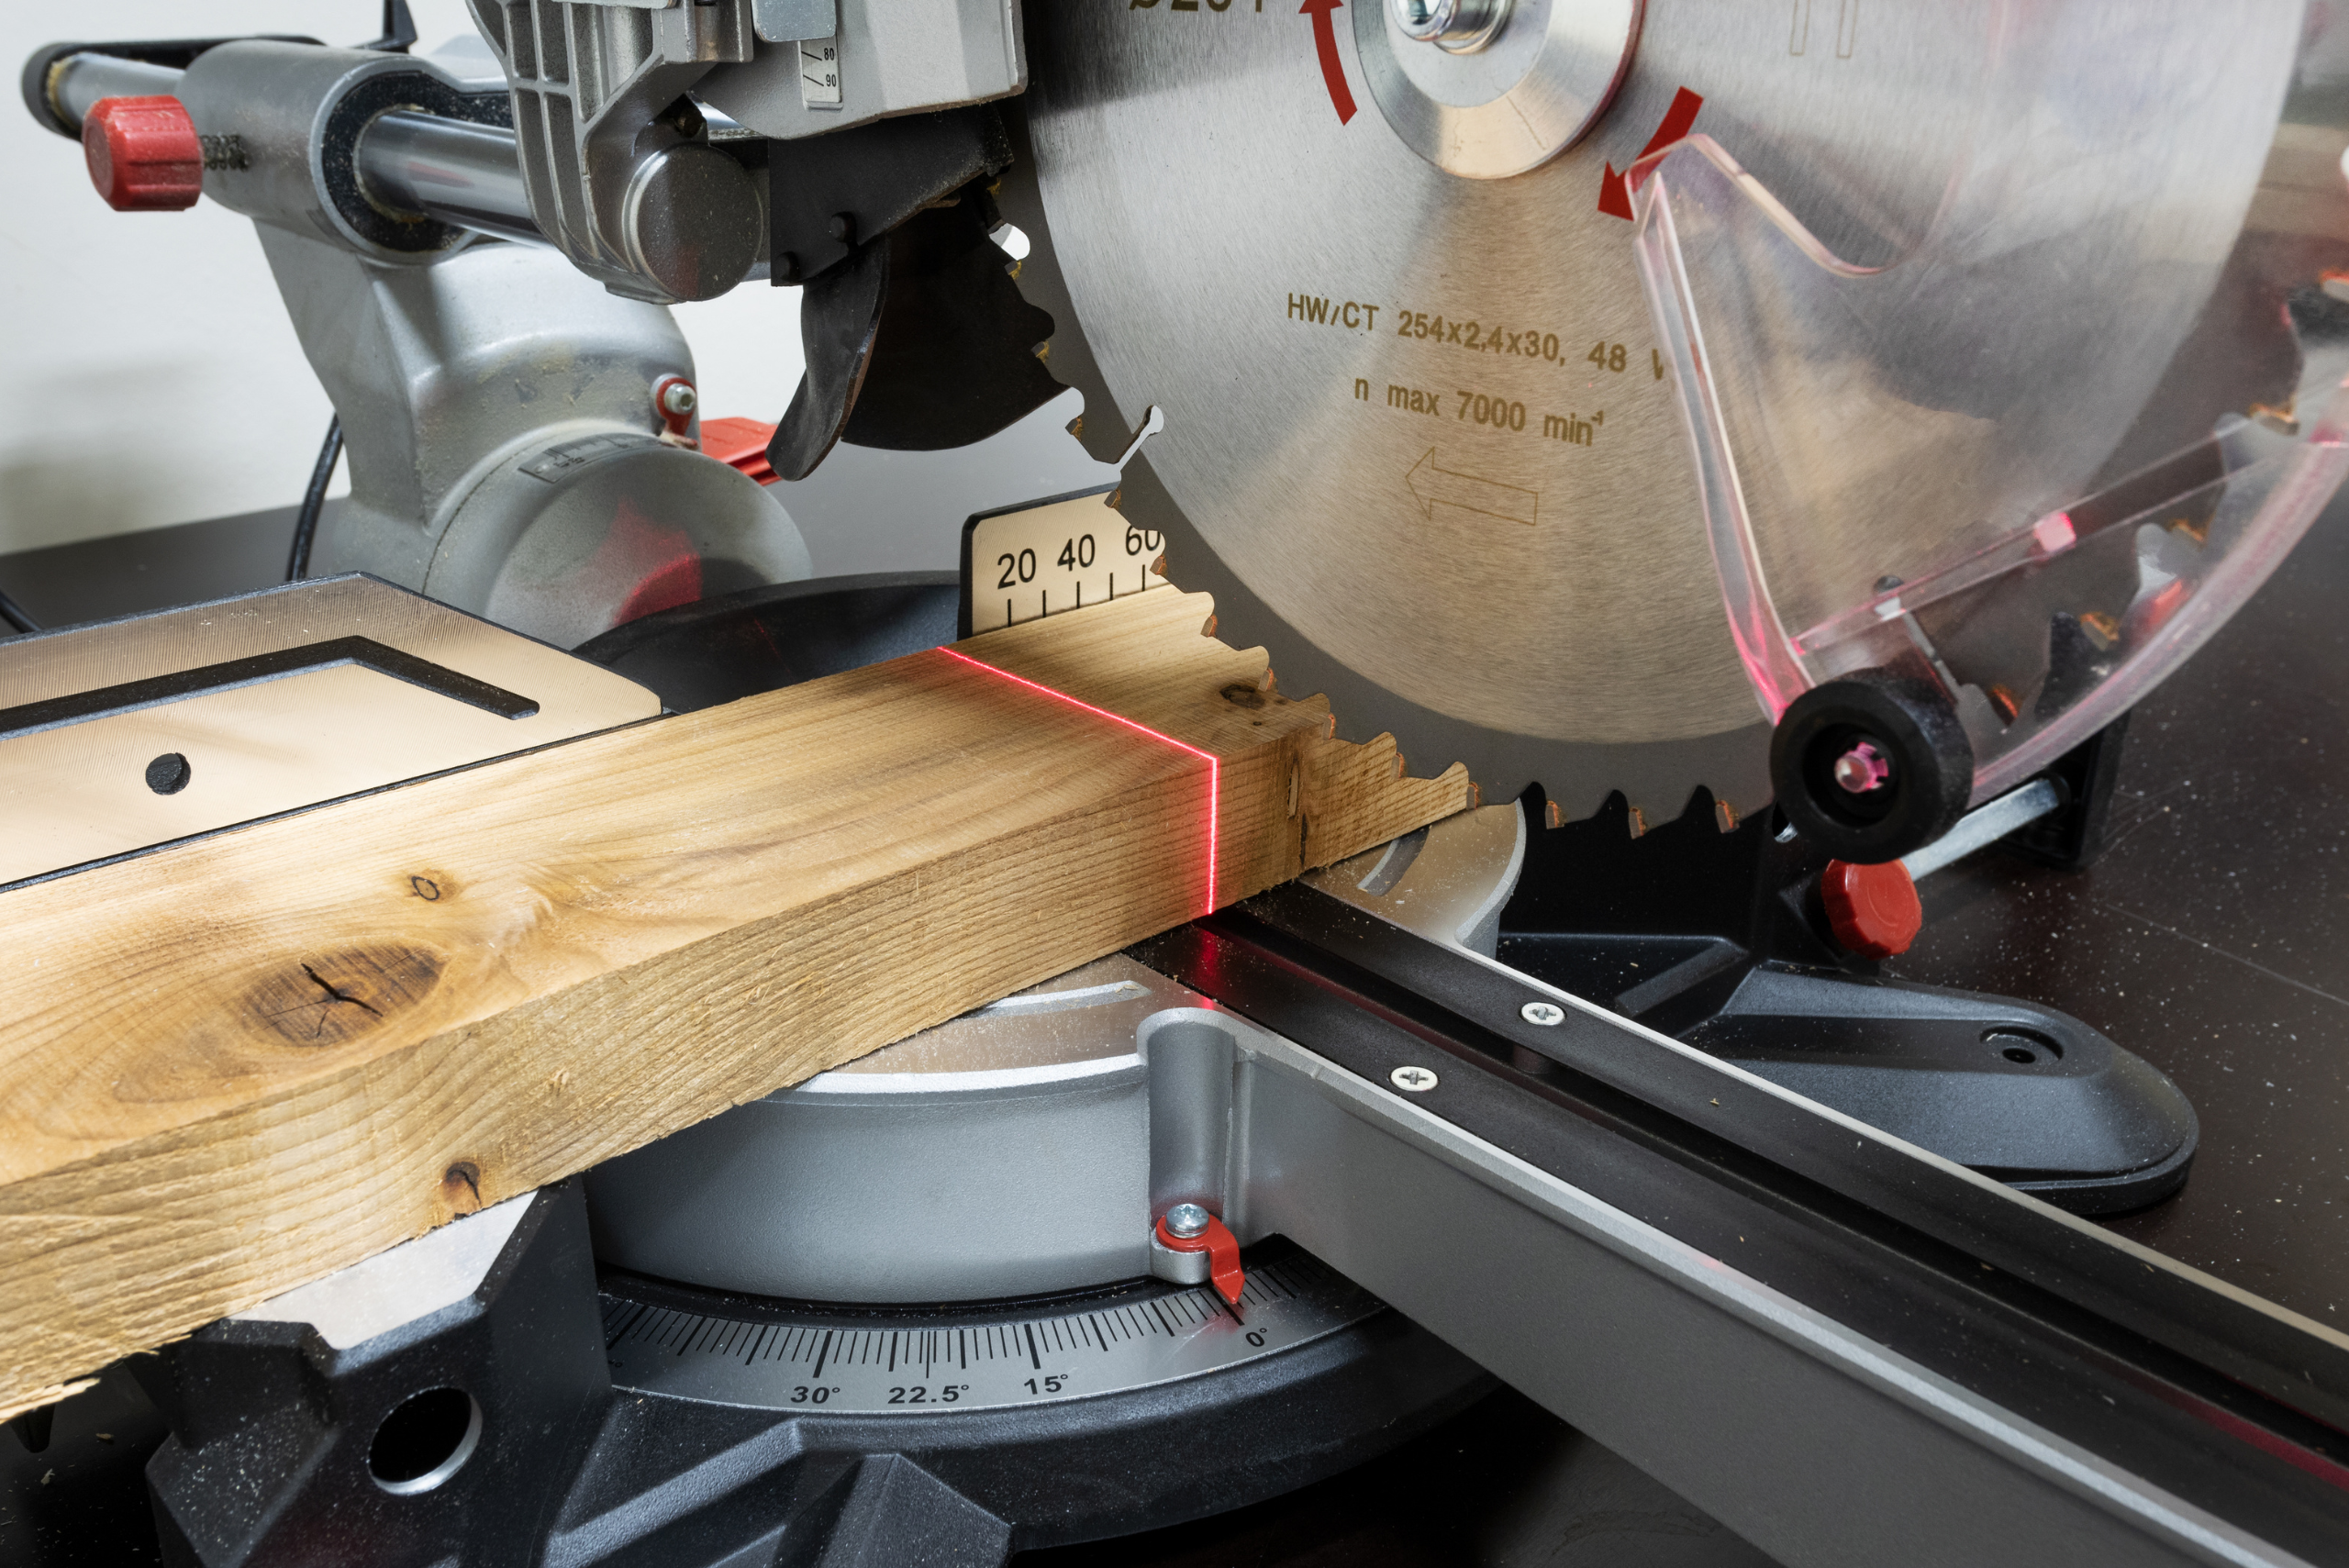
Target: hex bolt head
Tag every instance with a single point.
(1186, 1220)
(1412, 1080)
(1458, 27)
(1547, 1014)
(678, 398)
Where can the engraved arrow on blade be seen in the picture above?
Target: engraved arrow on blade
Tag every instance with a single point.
(1431, 485)
(1325, 43)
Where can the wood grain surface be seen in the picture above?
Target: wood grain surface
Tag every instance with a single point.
(231, 1067)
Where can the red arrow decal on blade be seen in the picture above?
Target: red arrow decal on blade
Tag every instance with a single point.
(1325, 42)
(1615, 190)
(1614, 195)
(1678, 120)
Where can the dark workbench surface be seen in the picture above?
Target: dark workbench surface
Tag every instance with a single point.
(2212, 938)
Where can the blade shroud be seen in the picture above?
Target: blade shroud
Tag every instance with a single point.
(1420, 443)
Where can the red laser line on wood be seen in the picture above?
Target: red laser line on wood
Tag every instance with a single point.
(1214, 763)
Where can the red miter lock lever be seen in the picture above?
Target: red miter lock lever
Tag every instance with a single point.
(1214, 1239)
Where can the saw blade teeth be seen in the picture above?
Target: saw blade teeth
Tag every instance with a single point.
(1728, 783)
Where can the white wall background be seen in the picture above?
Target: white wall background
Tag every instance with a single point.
(151, 377)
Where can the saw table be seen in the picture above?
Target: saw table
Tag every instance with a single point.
(2093, 942)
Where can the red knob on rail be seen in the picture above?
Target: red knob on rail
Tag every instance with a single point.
(1873, 909)
(143, 153)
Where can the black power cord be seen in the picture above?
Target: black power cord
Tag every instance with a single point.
(313, 499)
(14, 613)
(399, 32)
(400, 29)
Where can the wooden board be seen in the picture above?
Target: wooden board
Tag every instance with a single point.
(234, 1066)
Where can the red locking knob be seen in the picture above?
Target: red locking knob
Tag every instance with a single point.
(1873, 909)
(143, 154)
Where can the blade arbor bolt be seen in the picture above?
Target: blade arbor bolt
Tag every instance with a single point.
(1462, 27)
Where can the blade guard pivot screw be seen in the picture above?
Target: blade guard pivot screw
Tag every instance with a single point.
(143, 153)
(1211, 1237)
(1861, 769)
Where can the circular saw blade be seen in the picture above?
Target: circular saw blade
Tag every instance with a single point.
(1421, 442)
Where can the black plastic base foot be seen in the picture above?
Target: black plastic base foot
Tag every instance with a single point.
(1715, 939)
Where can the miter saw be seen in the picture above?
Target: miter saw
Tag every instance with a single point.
(1772, 447)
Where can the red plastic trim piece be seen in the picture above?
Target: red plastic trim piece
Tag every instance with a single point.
(1872, 910)
(143, 154)
(1222, 1249)
(740, 443)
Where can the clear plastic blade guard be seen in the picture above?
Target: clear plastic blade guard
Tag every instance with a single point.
(1912, 405)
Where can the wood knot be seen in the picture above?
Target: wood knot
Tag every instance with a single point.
(341, 995)
(1241, 693)
(460, 1187)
